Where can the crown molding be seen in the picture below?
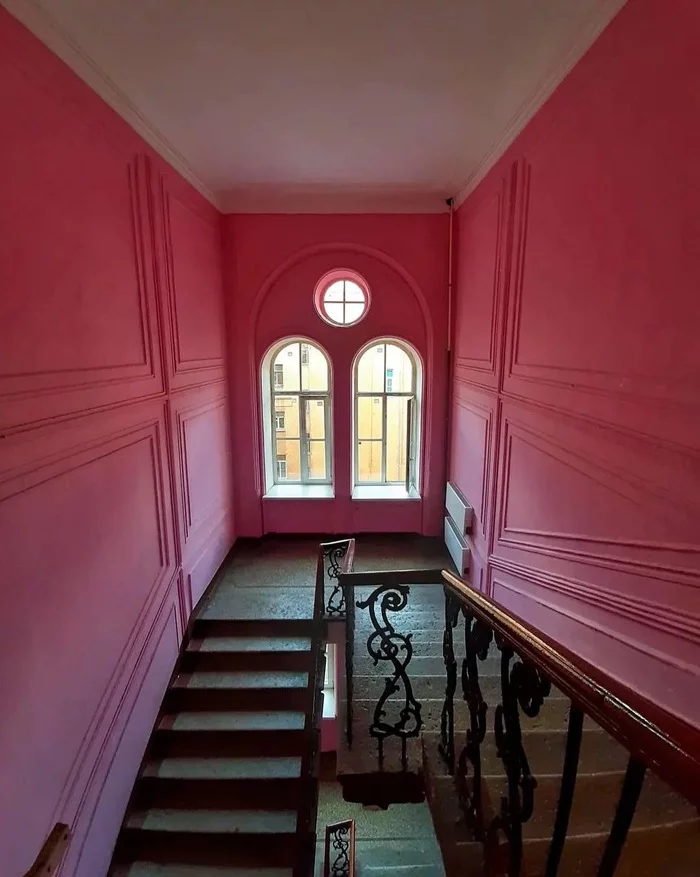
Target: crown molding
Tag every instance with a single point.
(42, 24)
(328, 199)
(594, 26)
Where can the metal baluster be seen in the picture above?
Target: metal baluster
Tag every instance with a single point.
(566, 792)
(477, 639)
(446, 745)
(334, 552)
(522, 686)
(626, 806)
(385, 643)
(349, 660)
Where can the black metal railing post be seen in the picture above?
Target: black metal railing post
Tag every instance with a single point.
(446, 746)
(566, 791)
(385, 643)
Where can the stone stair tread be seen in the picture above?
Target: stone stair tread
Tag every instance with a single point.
(256, 679)
(249, 644)
(225, 768)
(215, 821)
(156, 869)
(263, 720)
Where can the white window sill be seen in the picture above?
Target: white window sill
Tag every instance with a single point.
(330, 708)
(300, 491)
(384, 491)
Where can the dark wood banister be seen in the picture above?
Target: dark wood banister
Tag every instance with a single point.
(667, 744)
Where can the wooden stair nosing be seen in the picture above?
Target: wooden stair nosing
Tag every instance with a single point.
(206, 848)
(170, 742)
(267, 793)
(180, 699)
(272, 627)
(221, 661)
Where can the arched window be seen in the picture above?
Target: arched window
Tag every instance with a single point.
(387, 383)
(297, 414)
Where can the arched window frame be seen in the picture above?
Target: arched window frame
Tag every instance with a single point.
(410, 486)
(269, 392)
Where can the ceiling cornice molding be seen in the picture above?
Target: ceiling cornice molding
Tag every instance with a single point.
(264, 199)
(34, 17)
(596, 24)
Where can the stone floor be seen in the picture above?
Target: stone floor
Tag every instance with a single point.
(275, 577)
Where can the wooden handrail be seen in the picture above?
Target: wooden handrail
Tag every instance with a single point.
(666, 743)
(392, 577)
(51, 853)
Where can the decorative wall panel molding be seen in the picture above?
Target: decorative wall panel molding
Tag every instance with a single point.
(192, 284)
(594, 496)
(570, 345)
(61, 357)
(660, 655)
(104, 798)
(92, 500)
(483, 256)
(473, 454)
(202, 459)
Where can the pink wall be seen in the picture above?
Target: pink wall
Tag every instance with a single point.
(575, 413)
(272, 264)
(115, 496)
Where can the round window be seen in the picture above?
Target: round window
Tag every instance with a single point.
(341, 298)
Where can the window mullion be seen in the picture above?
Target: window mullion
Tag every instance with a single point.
(303, 440)
(384, 442)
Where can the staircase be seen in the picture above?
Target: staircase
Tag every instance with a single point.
(226, 777)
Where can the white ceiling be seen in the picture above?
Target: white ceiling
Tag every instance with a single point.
(329, 105)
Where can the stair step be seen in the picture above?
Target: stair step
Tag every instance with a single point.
(258, 679)
(247, 653)
(600, 753)
(269, 627)
(217, 821)
(216, 793)
(249, 690)
(170, 742)
(266, 720)
(182, 847)
(155, 869)
(225, 768)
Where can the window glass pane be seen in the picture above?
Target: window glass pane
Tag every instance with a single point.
(317, 460)
(288, 451)
(287, 362)
(369, 461)
(353, 311)
(353, 292)
(370, 370)
(370, 417)
(314, 372)
(401, 367)
(334, 292)
(334, 311)
(288, 407)
(315, 417)
(396, 437)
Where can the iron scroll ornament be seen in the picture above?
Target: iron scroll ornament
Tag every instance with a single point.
(336, 607)
(477, 640)
(385, 643)
(523, 687)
